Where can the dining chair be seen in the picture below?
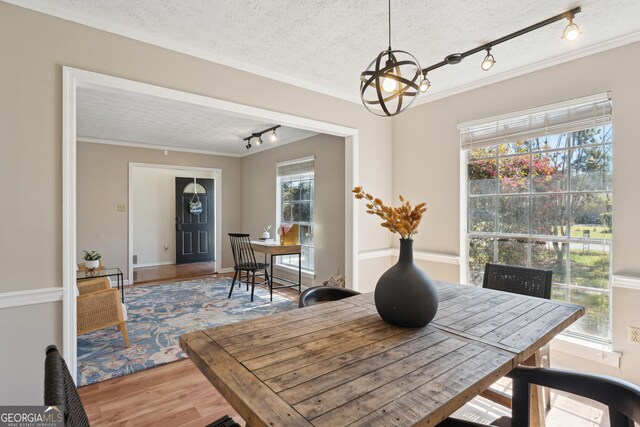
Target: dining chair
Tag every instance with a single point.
(60, 390)
(320, 294)
(621, 397)
(244, 260)
(532, 282)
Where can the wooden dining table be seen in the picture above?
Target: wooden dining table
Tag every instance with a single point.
(339, 363)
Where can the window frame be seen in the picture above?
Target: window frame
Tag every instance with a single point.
(466, 236)
(279, 208)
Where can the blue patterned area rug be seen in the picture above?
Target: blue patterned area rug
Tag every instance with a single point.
(158, 315)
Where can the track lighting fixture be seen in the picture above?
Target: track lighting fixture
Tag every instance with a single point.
(488, 61)
(392, 81)
(425, 84)
(258, 136)
(571, 31)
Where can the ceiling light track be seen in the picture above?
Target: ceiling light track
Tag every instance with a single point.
(258, 136)
(456, 58)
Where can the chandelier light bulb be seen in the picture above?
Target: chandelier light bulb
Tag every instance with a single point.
(389, 85)
(488, 61)
(571, 31)
(425, 84)
(274, 136)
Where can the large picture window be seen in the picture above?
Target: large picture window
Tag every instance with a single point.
(543, 199)
(295, 206)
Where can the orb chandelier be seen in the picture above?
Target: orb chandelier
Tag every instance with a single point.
(394, 79)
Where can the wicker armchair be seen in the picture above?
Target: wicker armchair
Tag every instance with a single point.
(99, 307)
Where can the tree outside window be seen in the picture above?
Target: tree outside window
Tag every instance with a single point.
(546, 203)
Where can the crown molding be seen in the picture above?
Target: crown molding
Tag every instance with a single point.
(163, 42)
(184, 48)
(153, 146)
(548, 63)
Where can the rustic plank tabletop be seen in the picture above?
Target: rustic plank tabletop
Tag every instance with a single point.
(339, 363)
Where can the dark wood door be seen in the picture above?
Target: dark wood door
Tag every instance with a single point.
(194, 231)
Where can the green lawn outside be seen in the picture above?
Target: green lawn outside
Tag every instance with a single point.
(596, 231)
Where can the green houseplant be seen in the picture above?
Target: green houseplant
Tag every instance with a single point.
(92, 259)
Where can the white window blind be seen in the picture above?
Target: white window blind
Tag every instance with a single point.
(297, 167)
(567, 116)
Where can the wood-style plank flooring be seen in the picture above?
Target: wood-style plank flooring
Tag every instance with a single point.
(172, 272)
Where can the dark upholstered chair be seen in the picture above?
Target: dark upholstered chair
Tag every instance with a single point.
(60, 390)
(532, 282)
(244, 260)
(621, 397)
(320, 294)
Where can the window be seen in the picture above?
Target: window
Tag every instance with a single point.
(542, 198)
(295, 197)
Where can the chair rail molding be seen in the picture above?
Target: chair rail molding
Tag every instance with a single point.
(628, 282)
(30, 297)
(418, 255)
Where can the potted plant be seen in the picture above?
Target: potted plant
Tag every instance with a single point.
(92, 259)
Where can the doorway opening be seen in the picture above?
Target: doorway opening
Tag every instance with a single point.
(167, 240)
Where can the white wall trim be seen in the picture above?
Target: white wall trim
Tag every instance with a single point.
(419, 255)
(628, 282)
(378, 253)
(30, 297)
(226, 270)
(153, 146)
(154, 264)
(594, 352)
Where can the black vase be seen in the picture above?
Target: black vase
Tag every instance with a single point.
(405, 295)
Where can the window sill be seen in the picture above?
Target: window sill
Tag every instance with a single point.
(592, 351)
(305, 273)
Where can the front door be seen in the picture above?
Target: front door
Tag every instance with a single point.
(194, 228)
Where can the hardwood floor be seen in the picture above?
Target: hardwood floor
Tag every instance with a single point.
(172, 272)
(176, 394)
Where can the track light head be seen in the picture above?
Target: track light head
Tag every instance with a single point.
(248, 145)
(488, 61)
(571, 31)
(259, 142)
(425, 84)
(274, 136)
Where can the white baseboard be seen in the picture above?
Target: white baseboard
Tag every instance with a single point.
(226, 270)
(154, 264)
(30, 297)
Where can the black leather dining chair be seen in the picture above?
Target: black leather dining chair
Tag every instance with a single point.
(621, 397)
(320, 294)
(244, 260)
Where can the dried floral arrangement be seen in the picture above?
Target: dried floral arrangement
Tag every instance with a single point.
(403, 220)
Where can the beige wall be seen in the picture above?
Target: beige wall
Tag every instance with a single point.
(259, 197)
(426, 157)
(104, 184)
(25, 332)
(34, 48)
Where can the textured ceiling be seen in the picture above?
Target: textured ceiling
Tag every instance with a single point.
(325, 44)
(141, 119)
